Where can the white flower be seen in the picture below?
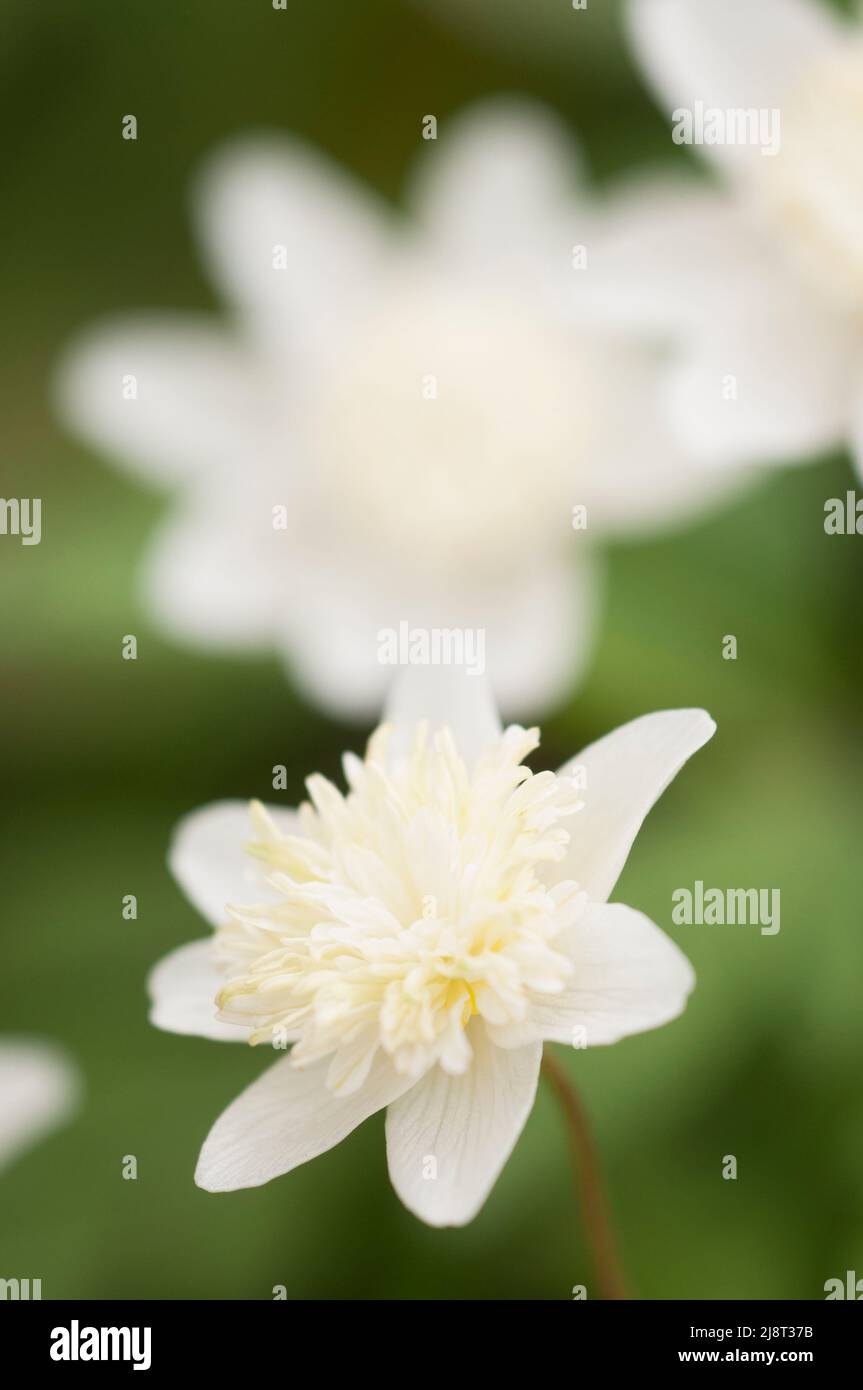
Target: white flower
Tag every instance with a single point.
(418, 939)
(39, 1090)
(422, 395)
(760, 275)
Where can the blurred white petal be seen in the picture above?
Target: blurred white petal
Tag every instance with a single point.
(496, 189)
(444, 698)
(644, 475)
(39, 1091)
(791, 385)
(218, 575)
(536, 627)
(256, 195)
(666, 251)
(730, 54)
(201, 403)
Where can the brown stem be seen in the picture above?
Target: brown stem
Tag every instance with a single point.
(590, 1188)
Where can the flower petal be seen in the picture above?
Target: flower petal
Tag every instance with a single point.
(624, 774)
(663, 252)
(443, 695)
(285, 1118)
(215, 574)
(198, 405)
(761, 365)
(628, 976)
(39, 1090)
(258, 195)
(642, 476)
(332, 641)
(539, 630)
(500, 187)
(183, 986)
(792, 369)
(467, 1124)
(208, 859)
(730, 53)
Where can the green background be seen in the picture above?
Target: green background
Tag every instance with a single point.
(100, 756)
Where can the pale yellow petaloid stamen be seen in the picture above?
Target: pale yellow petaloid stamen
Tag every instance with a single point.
(406, 909)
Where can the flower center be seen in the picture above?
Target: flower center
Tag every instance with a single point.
(406, 908)
(813, 188)
(451, 426)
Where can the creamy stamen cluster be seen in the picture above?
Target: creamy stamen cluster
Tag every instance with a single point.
(406, 908)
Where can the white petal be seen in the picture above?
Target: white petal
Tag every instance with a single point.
(258, 195)
(730, 53)
(694, 268)
(792, 368)
(467, 1124)
(183, 988)
(330, 639)
(628, 976)
(498, 186)
(443, 696)
(208, 859)
(215, 578)
(536, 627)
(642, 478)
(198, 404)
(625, 773)
(539, 630)
(663, 252)
(285, 1118)
(39, 1090)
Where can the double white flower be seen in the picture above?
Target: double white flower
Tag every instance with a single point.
(427, 397)
(417, 941)
(759, 277)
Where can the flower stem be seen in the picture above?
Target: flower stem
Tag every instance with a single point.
(588, 1181)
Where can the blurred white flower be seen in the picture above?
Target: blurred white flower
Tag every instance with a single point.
(420, 938)
(759, 275)
(39, 1089)
(418, 403)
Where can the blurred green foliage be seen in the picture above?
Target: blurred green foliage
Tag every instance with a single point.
(100, 757)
